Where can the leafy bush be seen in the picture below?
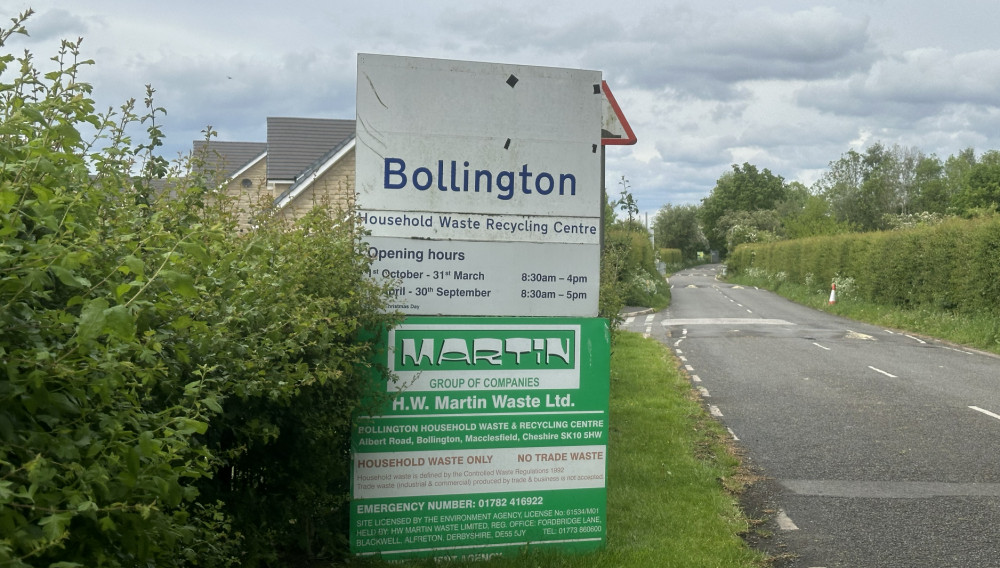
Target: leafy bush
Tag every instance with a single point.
(171, 394)
(671, 256)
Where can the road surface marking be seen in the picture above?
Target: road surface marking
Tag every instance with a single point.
(704, 392)
(820, 346)
(679, 351)
(959, 350)
(689, 367)
(986, 412)
(629, 320)
(733, 434)
(890, 375)
(724, 321)
(856, 335)
(683, 358)
(714, 411)
(915, 338)
(649, 318)
(785, 523)
(696, 378)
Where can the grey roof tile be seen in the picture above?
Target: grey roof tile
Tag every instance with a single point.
(294, 144)
(227, 158)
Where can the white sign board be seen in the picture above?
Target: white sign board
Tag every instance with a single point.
(480, 184)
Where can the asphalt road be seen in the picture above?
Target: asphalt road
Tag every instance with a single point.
(879, 448)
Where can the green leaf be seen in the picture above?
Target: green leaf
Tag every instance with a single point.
(132, 463)
(189, 426)
(121, 290)
(91, 321)
(119, 322)
(212, 404)
(134, 264)
(195, 250)
(146, 444)
(181, 283)
(54, 525)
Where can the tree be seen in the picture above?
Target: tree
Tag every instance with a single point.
(982, 189)
(956, 171)
(931, 187)
(743, 189)
(863, 188)
(760, 226)
(677, 227)
(813, 219)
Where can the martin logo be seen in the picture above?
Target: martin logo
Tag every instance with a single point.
(484, 357)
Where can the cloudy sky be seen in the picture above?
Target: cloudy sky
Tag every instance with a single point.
(787, 85)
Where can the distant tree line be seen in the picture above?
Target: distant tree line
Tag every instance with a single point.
(882, 188)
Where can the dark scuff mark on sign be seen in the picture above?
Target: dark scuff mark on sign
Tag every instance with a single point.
(374, 135)
(512, 80)
(506, 145)
(375, 91)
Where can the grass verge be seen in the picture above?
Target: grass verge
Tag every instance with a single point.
(981, 331)
(672, 477)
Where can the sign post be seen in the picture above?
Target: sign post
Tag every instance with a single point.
(480, 186)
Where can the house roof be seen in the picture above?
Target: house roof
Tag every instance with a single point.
(228, 158)
(295, 144)
(315, 170)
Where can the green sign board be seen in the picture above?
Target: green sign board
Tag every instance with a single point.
(494, 438)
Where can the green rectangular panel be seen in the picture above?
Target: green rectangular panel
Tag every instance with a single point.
(492, 437)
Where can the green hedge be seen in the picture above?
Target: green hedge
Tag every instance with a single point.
(953, 266)
(172, 393)
(671, 256)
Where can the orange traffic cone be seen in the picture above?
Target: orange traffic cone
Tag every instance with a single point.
(833, 293)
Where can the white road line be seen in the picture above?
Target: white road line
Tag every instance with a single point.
(890, 375)
(704, 392)
(915, 338)
(820, 346)
(986, 412)
(629, 320)
(679, 351)
(749, 312)
(678, 342)
(689, 367)
(785, 523)
(696, 378)
(723, 321)
(714, 411)
(683, 358)
(733, 434)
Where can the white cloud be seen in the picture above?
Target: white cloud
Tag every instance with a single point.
(778, 83)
